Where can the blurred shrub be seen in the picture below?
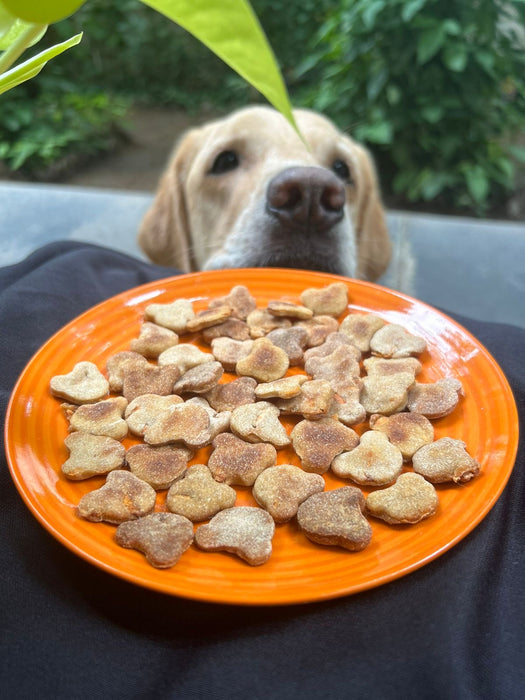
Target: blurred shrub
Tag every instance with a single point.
(435, 87)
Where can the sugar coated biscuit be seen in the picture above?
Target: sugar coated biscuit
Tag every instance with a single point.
(336, 518)
(237, 462)
(445, 459)
(228, 351)
(184, 356)
(292, 340)
(331, 343)
(259, 422)
(261, 322)
(407, 431)
(339, 368)
(434, 400)
(331, 300)
(360, 328)
(281, 489)
(227, 396)
(174, 315)
(153, 340)
(123, 497)
(317, 442)
(374, 461)
(285, 388)
(318, 329)
(265, 362)
(148, 408)
(393, 340)
(314, 401)
(161, 537)
(158, 466)
(384, 366)
(410, 500)
(209, 317)
(244, 531)
(101, 418)
(198, 496)
(239, 300)
(199, 379)
(231, 328)
(186, 423)
(119, 364)
(149, 380)
(288, 309)
(386, 394)
(84, 384)
(92, 455)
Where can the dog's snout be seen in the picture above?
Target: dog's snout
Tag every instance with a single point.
(303, 197)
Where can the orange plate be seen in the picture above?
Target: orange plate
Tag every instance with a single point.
(298, 571)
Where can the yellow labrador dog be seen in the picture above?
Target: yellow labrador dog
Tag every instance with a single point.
(247, 191)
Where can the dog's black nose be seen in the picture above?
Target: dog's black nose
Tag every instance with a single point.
(306, 197)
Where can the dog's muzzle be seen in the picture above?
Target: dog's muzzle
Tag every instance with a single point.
(306, 199)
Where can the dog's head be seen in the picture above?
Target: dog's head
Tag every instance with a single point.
(245, 191)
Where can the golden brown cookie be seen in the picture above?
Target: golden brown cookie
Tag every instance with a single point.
(153, 340)
(407, 431)
(101, 418)
(281, 489)
(184, 356)
(288, 309)
(265, 362)
(314, 401)
(244, 531)
(174, 315)
(261, 322)
(393, 340)
(374, 461)
(259, 422)
(318, 329)
(318, 442)
(118, 365)
(158, 466)
(188, 424)
(331, 300)
(237, 462)
(228, 351)
(123, 497)
(292, 340)
(146, 409)
(360, 328)
(92, 455)
(161, 537)
(149, 380)
(84, 384)
(446, 459)
(208, 318)
(386, 394)
(239, 300)
(410, 500)
(339, 368)
(200, 379)
(226, 397)
(285, 388)
(434, 400)
(336, 518)
(198, 496)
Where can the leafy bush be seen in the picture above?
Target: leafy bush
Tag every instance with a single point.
(56, 129)
(435, 87)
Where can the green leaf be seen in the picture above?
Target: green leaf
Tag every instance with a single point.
(380, 132)
(16, 29)
(45, 12)
(518, 152)
(429, 43)
(412, 8)
(432, 113)
(477, 182)
(231, 30)
(370, 12)
(455, 57)
(28, 69)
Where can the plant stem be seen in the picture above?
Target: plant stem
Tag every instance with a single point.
(20, 44)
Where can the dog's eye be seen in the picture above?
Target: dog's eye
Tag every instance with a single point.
(225, 161)
(342, 170)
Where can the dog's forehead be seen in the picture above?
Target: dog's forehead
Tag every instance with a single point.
(264, 131)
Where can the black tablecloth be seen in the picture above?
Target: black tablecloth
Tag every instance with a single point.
(453, 629)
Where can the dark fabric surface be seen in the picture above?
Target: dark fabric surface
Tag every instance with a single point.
(453, 629)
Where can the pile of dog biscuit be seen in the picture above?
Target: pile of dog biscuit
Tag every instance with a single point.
(330, 374)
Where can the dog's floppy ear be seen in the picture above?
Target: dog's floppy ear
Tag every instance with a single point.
(373, 242)
(164, 233)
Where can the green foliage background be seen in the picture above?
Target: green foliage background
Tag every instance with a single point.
(434, 87)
